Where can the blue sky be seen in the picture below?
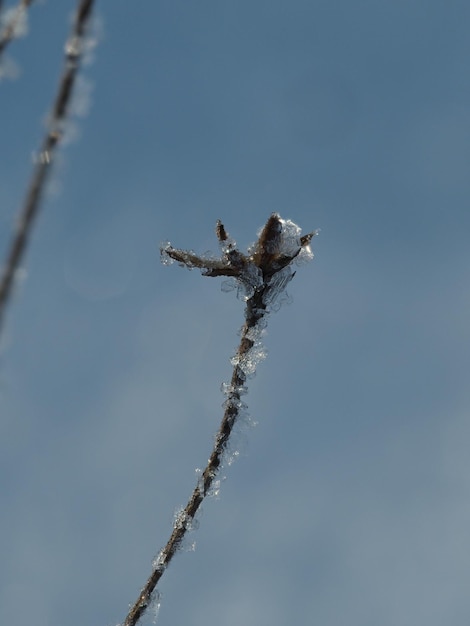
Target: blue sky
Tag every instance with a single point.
(350, 504)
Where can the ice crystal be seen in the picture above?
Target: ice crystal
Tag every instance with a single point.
(276, 292)
(165, 258)
(248, 361)
(155, 603)
(158, 561)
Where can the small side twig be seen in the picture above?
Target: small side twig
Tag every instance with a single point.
(257, 273)
(73, 56)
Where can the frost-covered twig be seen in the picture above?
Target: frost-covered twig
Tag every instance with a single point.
(74, 48)
(262, 275)
(14, 23)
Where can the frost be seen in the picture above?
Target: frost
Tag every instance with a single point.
(214, 489)
(229, 285)
(81, 101)
(227, 245)
(235, 403)
(290, 238)
(250, 279)
(8, 69)
(155, 603)
(276, 295)
(187, 258)
(159, 562)
(257, 331)
(248, 361)
(84, 45)
(43, 157)
(182, 520)
(164, 256)
(252, 276)
(229, 390)
(92, 38)
(306, 254)
(231, 457)
(260, 278)
(16, 21)
(73, 46)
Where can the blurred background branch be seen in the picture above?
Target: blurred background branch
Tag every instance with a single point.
(74, 49)
(13, 24)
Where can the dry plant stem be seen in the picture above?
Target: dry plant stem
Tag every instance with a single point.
(8, 33)
(207, 478)
(269, 258)
(47, 152)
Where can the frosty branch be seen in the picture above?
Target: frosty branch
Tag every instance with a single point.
(261, 277)
(14, 23)
(75, 48)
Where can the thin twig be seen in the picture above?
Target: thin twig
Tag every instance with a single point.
(256, 274)
(9, 31)
(73, 57)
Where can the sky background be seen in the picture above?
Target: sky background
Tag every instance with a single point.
(350, 503)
